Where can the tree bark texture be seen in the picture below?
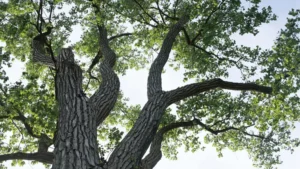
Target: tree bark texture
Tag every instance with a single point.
(129, 153)
(75, 141)
(76, 138)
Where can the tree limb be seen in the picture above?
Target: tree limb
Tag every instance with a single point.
(21, 118)
(175, 6)
(104, 99)
(45, 157)
(38, 49)
(154, 78)
(216, 132)
(133, 19)
(210, 54)
(207, 20)
(155, 153)
(99, 56)
(44, 140)
(161, 12)
(152, 18)
(195, 88)
(120, 35)
(146, 22)
(216, 56)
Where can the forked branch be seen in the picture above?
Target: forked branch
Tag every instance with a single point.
(155, 153)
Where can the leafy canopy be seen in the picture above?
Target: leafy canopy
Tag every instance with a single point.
(205, 49)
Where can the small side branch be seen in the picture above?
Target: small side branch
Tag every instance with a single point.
(196, 88)
(151, 17)
(162, 13)
(44, 141)
(21, 118)
(217, 57)
(45, 157)
(120, 35)
(242, 130)
(207, 20)
(210, 54)
(155, 153)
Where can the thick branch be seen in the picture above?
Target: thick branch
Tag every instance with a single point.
(106, 96)
(155, 153)
(45, 157)
(99, 56)
(154, 78)
(193, 89)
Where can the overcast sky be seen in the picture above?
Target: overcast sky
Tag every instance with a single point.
(207, 159)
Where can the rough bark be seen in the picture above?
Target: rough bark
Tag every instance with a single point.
(76, 138)
(196, 88)
(104, 99)
(129, 152)
(45, 157)
(154, 78)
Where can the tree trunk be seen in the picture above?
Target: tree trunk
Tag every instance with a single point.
(128, 154)
(76, 139)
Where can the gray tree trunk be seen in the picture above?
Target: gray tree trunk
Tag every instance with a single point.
(76, 139)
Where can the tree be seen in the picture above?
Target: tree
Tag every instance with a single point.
(77, 107)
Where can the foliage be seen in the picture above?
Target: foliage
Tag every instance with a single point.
(205, 49)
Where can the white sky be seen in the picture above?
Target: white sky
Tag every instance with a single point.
(207, 159)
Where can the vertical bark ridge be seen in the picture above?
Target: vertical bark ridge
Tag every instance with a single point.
(106, 96)
(154, 78)
(76, 138)
(129, 152)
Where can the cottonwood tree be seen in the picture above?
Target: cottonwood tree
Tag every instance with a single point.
(70, 113)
